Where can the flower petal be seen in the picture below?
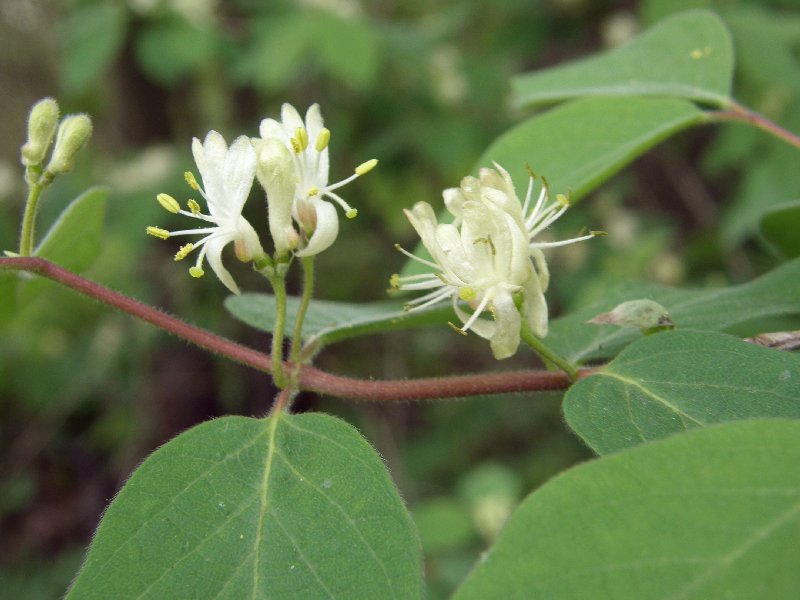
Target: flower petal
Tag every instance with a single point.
(214, 254)
(534, 306)
(326, 230)
(239, 169)
(505, 341)
(290, 118)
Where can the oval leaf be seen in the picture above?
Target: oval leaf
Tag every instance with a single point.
(772, 295)
(673, 381)
(780, 226)
(714, 513)
(327, 322)
(689, 55)
(582, 143)
(293, 506)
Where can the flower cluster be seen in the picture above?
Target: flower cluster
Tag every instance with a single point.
(488, 257)
(290, 160)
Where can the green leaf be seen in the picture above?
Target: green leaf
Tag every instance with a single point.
(327, 322)
(92, 37)
(717, 309)
(780, 226)
(348, 49)
(689, 55)
(714, 513)
(171, 50)
(75, 238)
(580, 144)
(674, 381)
(293, 506)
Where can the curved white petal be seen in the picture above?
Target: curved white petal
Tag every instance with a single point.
(326, 230)
(534, 306)
(239, 169)
(290, 118)
(270, 128)
(505, 341)
(214, 254)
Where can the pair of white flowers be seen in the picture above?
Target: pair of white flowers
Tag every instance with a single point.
(487, 257)
(290, 160)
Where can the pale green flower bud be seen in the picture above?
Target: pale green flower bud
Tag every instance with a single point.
(73, 133)
(275, 171)
(647, 315)
(42, 123)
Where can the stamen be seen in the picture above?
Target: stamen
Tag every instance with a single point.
(428, 263)
(349, 211)
(394, 281)
(456, 328)
(189, 177)
(193, 206)
(322, 139)
(169, 203)
(313, 191)
(158, 232)
(184, 251)
(486, 299)
(562, 199)
(196, 272)
(366, 167)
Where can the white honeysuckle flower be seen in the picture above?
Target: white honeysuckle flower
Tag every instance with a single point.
(227, 175)
(307, 141)
(486, 257)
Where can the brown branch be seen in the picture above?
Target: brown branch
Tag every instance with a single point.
(309, 378)
(739, 112)
(196, 335)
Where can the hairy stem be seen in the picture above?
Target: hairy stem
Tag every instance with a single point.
(278, 282)
(739, 112)
(308, 291)
(540, 348)
(309, 378)
(29, 219)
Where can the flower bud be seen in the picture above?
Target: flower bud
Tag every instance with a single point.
(42, 123)
(647, 315)
(276, 173)
(73, 133)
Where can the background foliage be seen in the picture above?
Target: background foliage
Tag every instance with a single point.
(423, 86)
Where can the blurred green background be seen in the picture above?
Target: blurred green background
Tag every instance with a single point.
(86, 393)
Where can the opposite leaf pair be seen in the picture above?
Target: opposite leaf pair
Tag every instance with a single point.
(294, 174)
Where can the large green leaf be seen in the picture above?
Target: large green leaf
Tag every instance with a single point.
(714, 513)
(293, 506)
(775, 294)
(75, 238)
(91, 37)
(689, 55)
(582, 143)
(678, 380)
(327, 322)
(780, 226)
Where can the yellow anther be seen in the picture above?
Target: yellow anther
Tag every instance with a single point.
(295, 145)
(184, 251)
(301, 135)
(467, 294)
(351, 213)
(322, 139)
(394, 281)
(313, 191)
(189, 177)
(169, 203)
(193, 206)
(196, 272)
(562, 199)
(366, 167)
(457, 329)
(158, 232)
